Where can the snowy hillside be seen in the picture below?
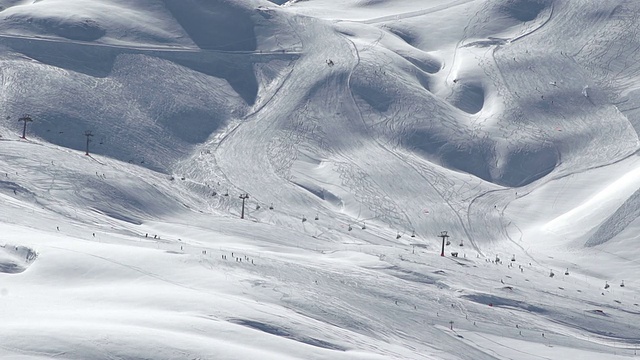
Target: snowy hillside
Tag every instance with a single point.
(360, 130)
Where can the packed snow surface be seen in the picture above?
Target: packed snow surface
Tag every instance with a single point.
(361, 131)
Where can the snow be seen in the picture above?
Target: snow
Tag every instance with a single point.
(510, 124)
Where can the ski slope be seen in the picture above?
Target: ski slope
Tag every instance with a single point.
(361, 130)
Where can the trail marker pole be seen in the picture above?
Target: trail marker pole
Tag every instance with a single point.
(443, 235)
(243, 197)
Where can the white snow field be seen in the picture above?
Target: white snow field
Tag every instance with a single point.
(360, 130)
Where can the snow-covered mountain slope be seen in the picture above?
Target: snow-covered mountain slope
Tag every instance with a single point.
(360, 130)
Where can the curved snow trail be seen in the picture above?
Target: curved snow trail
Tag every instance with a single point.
(400, 158)
(355, 105)
(251, 143)
(530, 32)
(287, 138)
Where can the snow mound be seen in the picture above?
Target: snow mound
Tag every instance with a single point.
(15, 259)
(468, 97)
(422, 61)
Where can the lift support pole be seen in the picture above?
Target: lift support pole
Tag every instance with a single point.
(443, 235)
(243, 197)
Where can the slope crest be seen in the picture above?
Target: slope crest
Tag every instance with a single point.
(142, 22)
(43, 21)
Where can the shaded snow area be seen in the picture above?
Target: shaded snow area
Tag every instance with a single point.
(355, 132)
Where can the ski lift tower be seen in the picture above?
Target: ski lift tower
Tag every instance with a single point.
(26, 119)
(444, 236)
(88, 134)
(243, 197)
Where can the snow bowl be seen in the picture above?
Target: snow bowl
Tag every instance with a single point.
(524, 10)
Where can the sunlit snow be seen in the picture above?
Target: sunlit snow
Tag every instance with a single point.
(360, 130)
